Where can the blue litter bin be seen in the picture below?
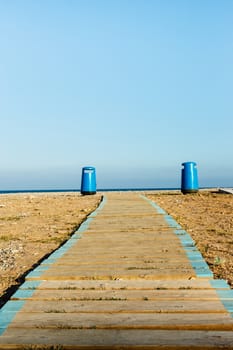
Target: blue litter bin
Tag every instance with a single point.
(189, 178)
(88, 183)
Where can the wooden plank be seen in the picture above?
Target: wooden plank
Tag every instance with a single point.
(123, 266)
(155, 250)
(81, 260)
(128, 220)
(140, 339)
(115, 260)
(139, 284)
(112, 275)
(66, 294)
(123, 321)
(162, 227)
(130, 269)
(103, 306)
(161, 251)
(143, 237)
(135, 270)
(150, 227)
(122, 241)
(140, 211)
(135, 237)
(125, 248)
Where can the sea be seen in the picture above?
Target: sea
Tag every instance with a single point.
(78, 190)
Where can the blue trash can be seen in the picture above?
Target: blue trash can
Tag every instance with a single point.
(189, 178)
(88, 183)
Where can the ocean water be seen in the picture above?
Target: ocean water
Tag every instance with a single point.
(78, 190)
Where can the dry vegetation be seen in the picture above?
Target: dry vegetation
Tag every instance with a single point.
(208, 217)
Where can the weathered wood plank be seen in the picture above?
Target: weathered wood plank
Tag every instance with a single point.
(139, 284)
(118, 294)
(126, 245)
(153, 339)
(103, 306)
(116, 260)
(137, 266)
(112, 275)
(126, 229)
(123, 321)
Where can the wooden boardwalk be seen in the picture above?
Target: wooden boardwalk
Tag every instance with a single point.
(129, 278)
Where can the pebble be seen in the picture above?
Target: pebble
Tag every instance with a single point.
(7, 255)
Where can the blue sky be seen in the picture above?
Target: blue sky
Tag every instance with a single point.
(131, 87)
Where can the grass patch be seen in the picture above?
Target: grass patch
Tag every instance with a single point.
(11, 218)
(7, 238)
(218, 261)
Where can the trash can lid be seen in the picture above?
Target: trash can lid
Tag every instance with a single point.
(189, 163)
(88, 167)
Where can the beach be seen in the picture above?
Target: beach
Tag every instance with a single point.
(33, 225)
(208, 217)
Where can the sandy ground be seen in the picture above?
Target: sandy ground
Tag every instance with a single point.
(208, 217)
(34, 225)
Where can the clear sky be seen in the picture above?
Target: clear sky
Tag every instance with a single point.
(131, 87)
